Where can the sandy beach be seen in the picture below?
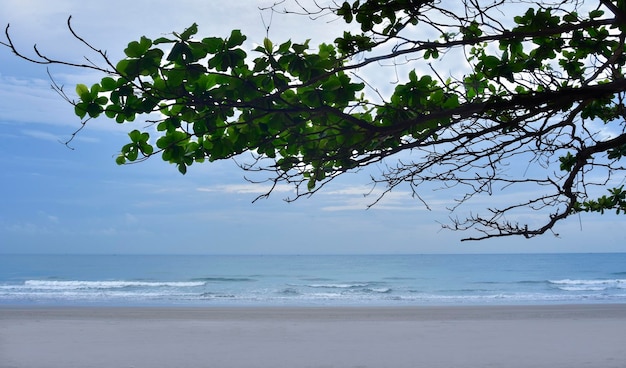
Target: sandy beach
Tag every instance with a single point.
(431, 337)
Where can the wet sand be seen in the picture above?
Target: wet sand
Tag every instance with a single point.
(553, 336)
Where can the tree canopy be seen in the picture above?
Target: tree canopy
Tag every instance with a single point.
(526, 97)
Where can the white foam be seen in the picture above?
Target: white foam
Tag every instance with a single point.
(337, 286)
(589, 285)
(326, 293)
(74, 285)
(588, 282)
(582, 288)
(381, 290)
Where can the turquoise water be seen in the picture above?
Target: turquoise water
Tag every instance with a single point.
(393, 280)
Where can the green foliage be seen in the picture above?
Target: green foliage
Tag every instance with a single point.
(616, 200)
(91, 103)
(208, 87)
(395, 14)
(567, 162)
(532, 87)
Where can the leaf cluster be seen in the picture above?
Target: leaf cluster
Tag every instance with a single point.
(616, 201)
(217, 104)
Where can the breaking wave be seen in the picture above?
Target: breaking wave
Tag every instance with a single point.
(588, 285)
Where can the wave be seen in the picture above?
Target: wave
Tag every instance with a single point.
(316, 279)
(289, 292)
(588, 285)
(115, 284)
(337, 286)
(223, 290)
(381, 296)
(588, 296)
(225, 279)
(217, 296)
(530, 282)
(582, 288)
(379, 290)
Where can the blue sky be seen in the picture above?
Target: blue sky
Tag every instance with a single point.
(56, 200)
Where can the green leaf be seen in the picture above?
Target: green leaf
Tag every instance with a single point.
(94, 110)
(135, 135)
(147, 149)
(137, 49)
(83, 92)
(567, 162)
(177, 52)
(346, 11)
(236, 39)
(80, 109)
(132, 154)
(284, 47)
(129, 68)
(161, 40)
(596, 13)
(491, 62)
(213, 44)
(300, 48)
(332, 83)
(112, 111)
(108, 84)
(192, 30)
(95, 89)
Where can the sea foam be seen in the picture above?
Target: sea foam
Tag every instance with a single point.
(588, 285)
(73, 285)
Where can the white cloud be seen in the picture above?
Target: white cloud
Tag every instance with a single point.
(250, 188)
(604, 131)
(130, 219)
(108, 231)
(390, 202)
(32, 100)
(53, 219)
(38, 134)
(25, 228)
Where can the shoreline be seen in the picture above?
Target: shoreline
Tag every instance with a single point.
(401, 312)
(572, 335)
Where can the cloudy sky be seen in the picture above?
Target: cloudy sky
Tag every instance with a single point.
(57, 200)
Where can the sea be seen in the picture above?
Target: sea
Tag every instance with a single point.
(311, 280)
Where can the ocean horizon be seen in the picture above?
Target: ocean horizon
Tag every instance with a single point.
(312, 280)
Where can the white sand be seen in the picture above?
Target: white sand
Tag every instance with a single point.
(421, 337)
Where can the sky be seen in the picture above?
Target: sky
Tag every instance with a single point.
(58, 200)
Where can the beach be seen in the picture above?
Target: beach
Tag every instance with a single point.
(435, 337)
